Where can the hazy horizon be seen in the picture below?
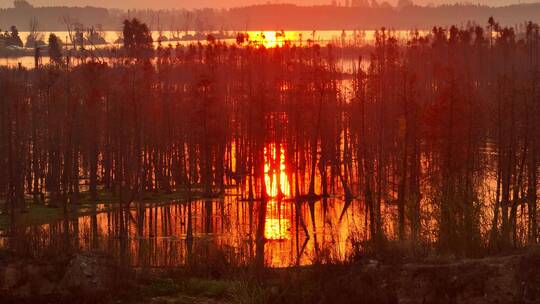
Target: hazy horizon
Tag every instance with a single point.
(190, 4)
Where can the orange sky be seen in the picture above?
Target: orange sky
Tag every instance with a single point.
(220, 3)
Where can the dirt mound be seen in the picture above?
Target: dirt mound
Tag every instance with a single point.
(91, 276)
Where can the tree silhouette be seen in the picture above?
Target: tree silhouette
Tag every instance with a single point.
(137, 38)
(55, 49)
(14, 39)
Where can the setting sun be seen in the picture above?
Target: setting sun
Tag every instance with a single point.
(271, 39)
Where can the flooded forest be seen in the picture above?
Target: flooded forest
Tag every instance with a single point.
(215, 154)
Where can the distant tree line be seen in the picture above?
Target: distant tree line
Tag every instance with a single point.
(354, 14)
(11, 37)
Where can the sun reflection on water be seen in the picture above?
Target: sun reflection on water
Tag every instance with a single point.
(275, 173)
(277, 229)
(277, 225)
(157, 234)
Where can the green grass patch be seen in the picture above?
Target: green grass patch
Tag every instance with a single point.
(162, 287)
(35, 215)
(193, 287)
(208, 288)
(39, 214)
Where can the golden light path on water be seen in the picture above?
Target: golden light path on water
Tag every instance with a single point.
(277, 228)
(157, 234)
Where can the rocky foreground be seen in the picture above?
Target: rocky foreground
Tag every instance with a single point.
(87, 275)
(96, 278)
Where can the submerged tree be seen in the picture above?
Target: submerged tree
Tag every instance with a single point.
(436, 142)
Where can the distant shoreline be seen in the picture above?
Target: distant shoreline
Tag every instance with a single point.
(270, 17)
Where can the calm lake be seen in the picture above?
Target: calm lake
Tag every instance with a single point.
(266, 38)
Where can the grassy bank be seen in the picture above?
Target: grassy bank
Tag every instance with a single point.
(507, 278)
(374, 278)
(43, 213)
